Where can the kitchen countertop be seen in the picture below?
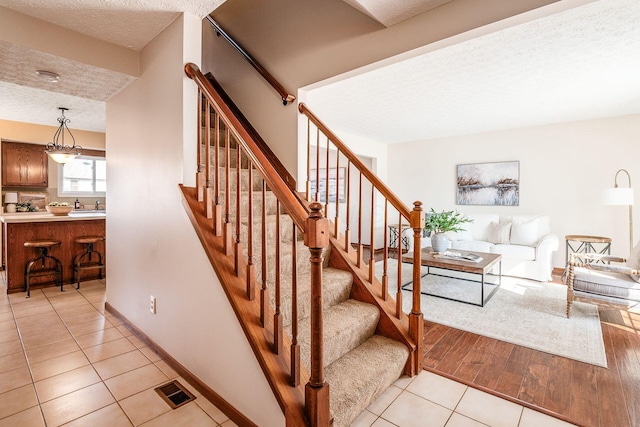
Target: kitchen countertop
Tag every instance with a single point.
(8, 218)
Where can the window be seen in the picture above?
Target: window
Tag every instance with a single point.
(83, 176)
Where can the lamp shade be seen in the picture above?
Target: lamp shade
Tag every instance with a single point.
(618, 196)
(11, 197)
(60, 157)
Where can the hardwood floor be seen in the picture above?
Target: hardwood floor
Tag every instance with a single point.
(577, 392)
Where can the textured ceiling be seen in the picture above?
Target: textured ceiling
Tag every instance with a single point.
(18, 65)
(128, 23)
(389, 13)
(82, 88)
(579, 64)
(42, 108)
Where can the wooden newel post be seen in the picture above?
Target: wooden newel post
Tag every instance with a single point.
(316, 238)
(416, 318)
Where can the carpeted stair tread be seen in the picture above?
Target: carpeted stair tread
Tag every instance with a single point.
(336, 288)
(244, 179)
(286, 229)
(363, 374)
(257, 203)
(345, 327)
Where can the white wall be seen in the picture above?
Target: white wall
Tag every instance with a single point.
(563, 170)
(153, 249)
(301, 42)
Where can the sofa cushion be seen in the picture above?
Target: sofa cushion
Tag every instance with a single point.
(472, 245)
(463, 234)
(605, 283)
(499, 233)
(634, 261)
(480, 225)
(525, 233)
(523, 253)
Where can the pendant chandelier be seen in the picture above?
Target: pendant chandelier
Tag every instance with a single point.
(56, 149)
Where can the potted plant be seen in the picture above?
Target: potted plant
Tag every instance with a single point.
(439, 223)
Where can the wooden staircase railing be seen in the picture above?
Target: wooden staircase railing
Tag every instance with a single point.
(330, 153)
(286, 96)
(227, 224)
(215, 190)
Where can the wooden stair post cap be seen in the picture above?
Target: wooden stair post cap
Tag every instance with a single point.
(41, 243)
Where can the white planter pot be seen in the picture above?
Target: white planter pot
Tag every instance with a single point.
(439, 242)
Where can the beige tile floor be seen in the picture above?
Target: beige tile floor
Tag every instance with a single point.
(431, 400)
(84, 368)
(64, 361)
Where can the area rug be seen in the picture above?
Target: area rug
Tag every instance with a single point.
(523, 312)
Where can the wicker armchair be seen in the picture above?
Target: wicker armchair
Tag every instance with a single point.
(589, 277)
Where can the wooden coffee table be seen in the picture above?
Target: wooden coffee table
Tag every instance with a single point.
(481, 269)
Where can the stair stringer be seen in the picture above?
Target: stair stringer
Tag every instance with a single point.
(389, 325)
(276, 368)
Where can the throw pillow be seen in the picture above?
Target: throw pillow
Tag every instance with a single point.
(499, 233)
(634, 261)
(525, 233)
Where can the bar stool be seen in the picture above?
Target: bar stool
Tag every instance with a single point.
(43, 246)
(89, 252)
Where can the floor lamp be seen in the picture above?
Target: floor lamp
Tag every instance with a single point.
(622, 197)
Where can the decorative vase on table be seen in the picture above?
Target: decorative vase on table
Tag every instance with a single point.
(439, 223)
(439, 242)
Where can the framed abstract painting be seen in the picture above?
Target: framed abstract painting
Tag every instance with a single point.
(491, 184)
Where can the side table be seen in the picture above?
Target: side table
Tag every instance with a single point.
(397, 239)
(587, 244)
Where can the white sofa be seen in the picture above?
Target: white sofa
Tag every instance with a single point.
(524, 241)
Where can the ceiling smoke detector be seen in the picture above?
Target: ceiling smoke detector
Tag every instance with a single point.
(49, 76)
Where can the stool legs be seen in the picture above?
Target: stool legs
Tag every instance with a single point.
(90, 264)
(44, 254)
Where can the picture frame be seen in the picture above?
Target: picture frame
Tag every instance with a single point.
(489, 184)
(336, 182)
(37, 199)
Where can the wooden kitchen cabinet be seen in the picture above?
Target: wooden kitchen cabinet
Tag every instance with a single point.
(20, 227)
(24, 165)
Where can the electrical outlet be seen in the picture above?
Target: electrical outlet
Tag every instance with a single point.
(152, 305)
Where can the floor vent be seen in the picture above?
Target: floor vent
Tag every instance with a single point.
(175, 394)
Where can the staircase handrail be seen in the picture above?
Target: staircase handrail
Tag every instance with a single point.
(284, 94)
(353, 158)
(415, 217)
(294, 207)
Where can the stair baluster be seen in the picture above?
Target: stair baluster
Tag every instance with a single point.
(199, 172)
(385, 254)
(336, 219)
(208, 190)
(347, 221)
(217, 209)
(360, 247)
(251, 269)
(278, 330)
(264, 292)
(399, 257)
(228, 246)
(295, 346)
(327, 176)
(372, 251)
(238, 258)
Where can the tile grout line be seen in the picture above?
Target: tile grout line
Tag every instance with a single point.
(33, 382)
(91, 363)
(24, 353)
